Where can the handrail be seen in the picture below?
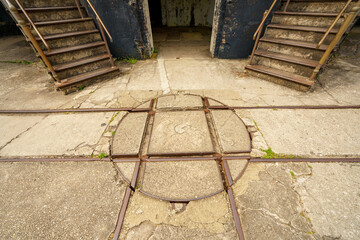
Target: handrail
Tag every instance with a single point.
(79, 8)
(348, 21)
(333, 23)
(32, 24)
(15, 14)
(99, 19)
(264, 19)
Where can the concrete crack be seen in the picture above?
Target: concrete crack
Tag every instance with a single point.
(20, 134)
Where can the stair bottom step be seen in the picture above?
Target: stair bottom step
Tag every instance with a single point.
(74, 83)
(280, 77)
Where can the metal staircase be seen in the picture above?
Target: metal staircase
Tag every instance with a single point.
(67, 40)
(300, 39)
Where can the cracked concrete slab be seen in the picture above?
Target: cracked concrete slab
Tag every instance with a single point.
(182, 180)
(310, 132)
(128, 136)
(12, 127)
(59, 200)
(148, 218)
(231, 131)
(171, 128)
(60, 134)
(299, 200)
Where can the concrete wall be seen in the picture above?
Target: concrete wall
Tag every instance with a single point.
(187, 12)
(127, 22)
(236, 21)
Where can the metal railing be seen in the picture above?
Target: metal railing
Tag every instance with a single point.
(354, 12)
(333, 23)
(28, 34)
(32, 24)
(101, 23)
(259, 30)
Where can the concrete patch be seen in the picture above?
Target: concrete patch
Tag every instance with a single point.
(60, 134)
(208, 218)
(128, 136)
(127, 170)
(179, 101)
(188, 128)
(231, 131)
(236, 167)
(59, 200)
(182, 180)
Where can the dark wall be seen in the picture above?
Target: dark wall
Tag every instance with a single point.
(238, 22)
(7, 25)
(122, 19)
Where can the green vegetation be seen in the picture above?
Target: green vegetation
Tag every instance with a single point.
(19, 61)
(271, 154)
(102, 155)
(81, 88)
(156, 51)
(113, 133)
(256, 125)
(128, 60)
(292, 174)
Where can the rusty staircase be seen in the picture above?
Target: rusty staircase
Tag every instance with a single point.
(300, 39)
(67, 40)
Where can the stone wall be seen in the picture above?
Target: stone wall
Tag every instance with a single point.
(187, 12)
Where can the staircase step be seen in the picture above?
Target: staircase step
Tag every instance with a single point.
(302, 28)
(69, 34)
(65, 66)
(287, 58)
(281, 74)
(63, 21)
(294, 43)
(50, 8)
(313, 14)
(74, 48)
(85, 76)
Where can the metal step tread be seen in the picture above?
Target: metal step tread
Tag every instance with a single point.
(33, 9)
(73, 20)
(295, 43)
(85, 76)
(68, 34)
(65, 66)
(281, 74)
(302, 28)
(312, 14)
(287, 58)
(73, 48)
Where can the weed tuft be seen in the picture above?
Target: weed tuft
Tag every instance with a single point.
(102, 155)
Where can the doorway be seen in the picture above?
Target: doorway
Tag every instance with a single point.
(182, 29)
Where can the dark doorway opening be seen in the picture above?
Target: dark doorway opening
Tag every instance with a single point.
(182, 29)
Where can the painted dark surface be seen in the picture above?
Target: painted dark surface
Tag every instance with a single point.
(122, 19)
(239, 20)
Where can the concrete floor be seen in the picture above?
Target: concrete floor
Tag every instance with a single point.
(82, 200)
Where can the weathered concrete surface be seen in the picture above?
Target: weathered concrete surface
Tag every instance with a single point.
(59, 200)
(298, 200)
(128, 136)
(148, 218)
(182, 180)
(179, 101)
(18, 125)
(236, 167)
(127, 170)
(331, 199)
(188, 128)
(59, 134)
(231, 131)
(310, 132)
